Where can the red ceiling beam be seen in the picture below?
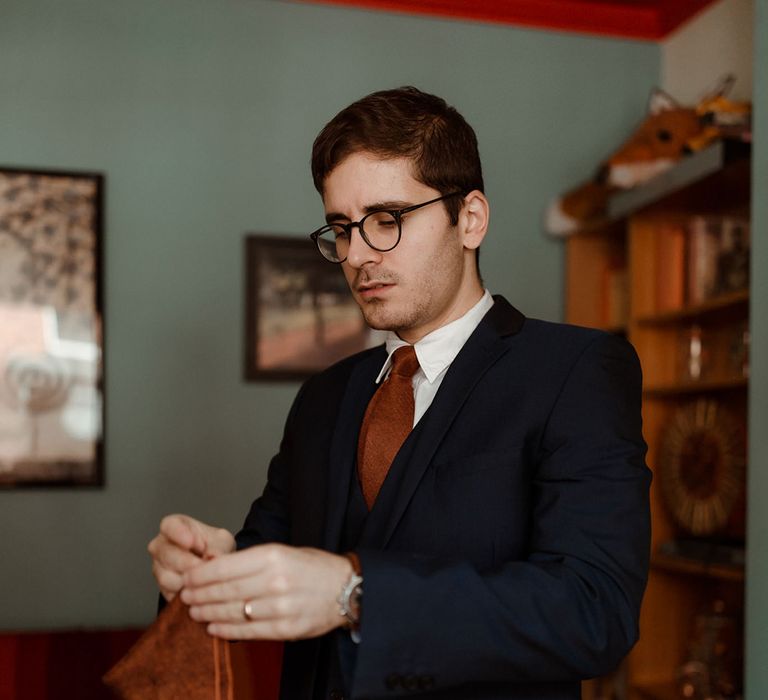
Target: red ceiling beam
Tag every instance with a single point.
(636, 19)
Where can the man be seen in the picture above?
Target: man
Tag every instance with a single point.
(503, 552)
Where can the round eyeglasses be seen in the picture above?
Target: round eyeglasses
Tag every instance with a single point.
(380, 229)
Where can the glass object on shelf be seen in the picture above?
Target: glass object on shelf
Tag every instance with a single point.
(739, 356)
(694, 354)
(733, 350)
(712, 670)
(713, 352)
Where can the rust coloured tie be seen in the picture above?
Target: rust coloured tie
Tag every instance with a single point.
(387, 422)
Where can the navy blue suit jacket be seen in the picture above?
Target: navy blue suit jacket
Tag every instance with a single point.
(507, 552)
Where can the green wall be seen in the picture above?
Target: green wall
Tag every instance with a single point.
(201, 114)
(757, 527)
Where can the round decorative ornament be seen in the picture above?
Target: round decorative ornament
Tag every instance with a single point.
(701, 466)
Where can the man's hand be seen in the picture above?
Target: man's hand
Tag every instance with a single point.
(291, 592)
(182, 544)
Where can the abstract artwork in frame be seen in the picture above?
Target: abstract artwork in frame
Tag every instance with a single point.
(300, 314)
(51, 331)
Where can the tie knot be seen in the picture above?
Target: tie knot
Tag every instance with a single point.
(404, 361)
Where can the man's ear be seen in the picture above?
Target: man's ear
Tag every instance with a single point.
(473, 219)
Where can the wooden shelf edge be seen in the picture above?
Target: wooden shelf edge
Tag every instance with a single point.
(704, 386)
(720, 303)
(686, 172)
(680, 565)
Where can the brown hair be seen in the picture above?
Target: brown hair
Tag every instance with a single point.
(405, 122)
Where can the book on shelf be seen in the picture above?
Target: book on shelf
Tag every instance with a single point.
(733, 256)
(670, 267)
(615, 310)
(718, 257)
(703, 247)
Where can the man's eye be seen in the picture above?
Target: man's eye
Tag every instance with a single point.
(384, 223)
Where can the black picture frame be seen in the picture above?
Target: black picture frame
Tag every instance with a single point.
(51, 328)
(300, 314)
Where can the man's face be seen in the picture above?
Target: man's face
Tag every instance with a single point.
(424, 282)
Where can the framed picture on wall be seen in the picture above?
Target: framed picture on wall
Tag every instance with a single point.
(51, 329)
(300, 314)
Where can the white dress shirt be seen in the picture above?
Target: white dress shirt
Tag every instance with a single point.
(435, 352)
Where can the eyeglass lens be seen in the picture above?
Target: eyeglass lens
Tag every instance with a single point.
(380, 230)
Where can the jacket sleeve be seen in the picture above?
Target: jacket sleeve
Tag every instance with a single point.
(567, 611)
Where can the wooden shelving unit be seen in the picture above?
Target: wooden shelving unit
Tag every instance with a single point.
(627, 254)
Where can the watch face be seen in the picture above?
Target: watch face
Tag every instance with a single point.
(701, 467)
(350, 598)
(357, 595)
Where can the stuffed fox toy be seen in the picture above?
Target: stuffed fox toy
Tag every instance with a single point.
(668, 133)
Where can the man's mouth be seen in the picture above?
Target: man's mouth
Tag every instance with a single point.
(369, 290)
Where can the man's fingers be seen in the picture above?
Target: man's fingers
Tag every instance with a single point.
(168, 581)
(169, 561)
(170, 555)
(239, 589)
(230, 612)
(248, 562)
(268, 629)
(185, 532)
(220, 612)
(182, 544)
(290, 592)
(204, 540)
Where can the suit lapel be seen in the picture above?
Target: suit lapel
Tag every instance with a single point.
(484, 347)
(343, 454)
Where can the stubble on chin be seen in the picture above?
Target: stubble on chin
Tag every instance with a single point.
(385, 315)
(374, 309)
(374, 313)
(391, 312)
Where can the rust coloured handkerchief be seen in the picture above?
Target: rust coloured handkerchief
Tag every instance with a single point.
(175, 658)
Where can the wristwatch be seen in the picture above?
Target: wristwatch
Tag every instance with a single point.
(350, 599)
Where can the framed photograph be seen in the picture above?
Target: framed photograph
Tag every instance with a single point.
(51, 330)
(300, 314)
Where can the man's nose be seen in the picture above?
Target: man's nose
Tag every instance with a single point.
(360, 253)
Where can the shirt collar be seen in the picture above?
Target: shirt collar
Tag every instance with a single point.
(436, 350)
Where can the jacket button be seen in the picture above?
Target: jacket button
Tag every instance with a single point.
(411, 682)
(426, 682)
(392, 681)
